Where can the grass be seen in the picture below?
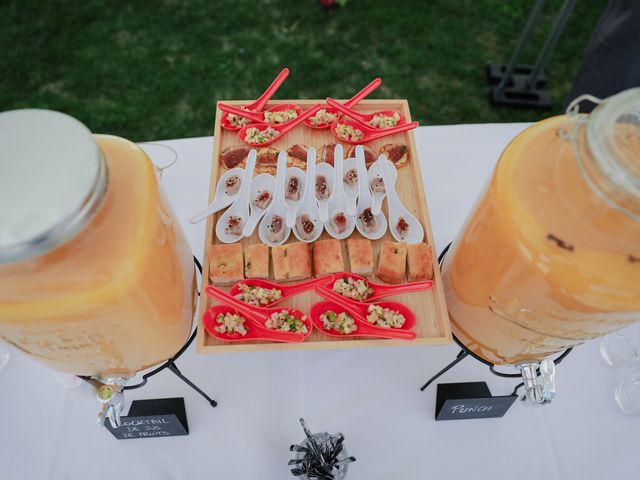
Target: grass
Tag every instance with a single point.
(154, 70)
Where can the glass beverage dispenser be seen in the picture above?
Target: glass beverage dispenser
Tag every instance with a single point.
(550, 255)
(96, 275)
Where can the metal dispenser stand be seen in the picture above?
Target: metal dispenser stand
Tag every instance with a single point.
(515, 84)
(114, 402)
(537, 393)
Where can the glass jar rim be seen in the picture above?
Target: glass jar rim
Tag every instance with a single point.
(618, 173)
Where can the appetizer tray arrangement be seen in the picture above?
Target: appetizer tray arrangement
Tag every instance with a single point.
(313, 251)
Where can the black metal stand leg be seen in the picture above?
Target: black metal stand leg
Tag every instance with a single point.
(524, 38)
(550, 43)
(461, 356)
(172, 366)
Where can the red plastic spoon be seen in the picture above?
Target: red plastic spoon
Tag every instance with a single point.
(365, 329)
(286, 290)
(261, 101)
(379, 290)
(282, 128)
(352, 102)
(254, 330)
(259, 117)
(257, 317)
(370, 133)
(365, 117)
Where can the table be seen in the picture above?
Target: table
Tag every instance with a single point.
(49, 431)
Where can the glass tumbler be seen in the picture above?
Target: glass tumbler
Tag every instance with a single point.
(627, 394)
(618, 351)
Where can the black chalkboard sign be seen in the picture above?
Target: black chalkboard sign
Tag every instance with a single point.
(463, 401)
(162, 417)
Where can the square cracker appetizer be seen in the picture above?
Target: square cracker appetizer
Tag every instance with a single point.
(256, 261)
(327, 257)
(419, 262)
(291, 261)
(391, 262)
(225, 263)
(360, 256)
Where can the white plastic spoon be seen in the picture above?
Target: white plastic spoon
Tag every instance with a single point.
(324, 176)
(222, 199)
(240, 207)
(399, 216)
(294, 180)
(350, 190)
(308, 227)
(375, 175)
(273, 229)
(262, 187)
(364, 212)
(338, 203)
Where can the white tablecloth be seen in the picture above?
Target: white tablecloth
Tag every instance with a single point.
(48, 431)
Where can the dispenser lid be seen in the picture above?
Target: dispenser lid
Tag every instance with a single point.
(52, 180)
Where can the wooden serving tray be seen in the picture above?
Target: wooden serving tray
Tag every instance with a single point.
(432, 325)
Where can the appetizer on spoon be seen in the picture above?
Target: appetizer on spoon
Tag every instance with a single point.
(264, 293)
(273, 230)
(341, 319)
(358, 133)
(262, 188)
(404, 226)
(264, 134)
(380, 120)
(227, 324)
(323, 189)
(294, 191)
(308, 226)
(231, 223)
(358, 289)
(376, 184)
(340, 224)
(350, 184)
(282, 321)
(370, 225)
(226, 192)
(234, 122)
(327, 115)
(278, 114)
(282, 324)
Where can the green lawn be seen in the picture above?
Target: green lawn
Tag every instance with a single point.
(153, 70)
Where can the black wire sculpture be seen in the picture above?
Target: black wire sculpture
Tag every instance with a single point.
(322, 455)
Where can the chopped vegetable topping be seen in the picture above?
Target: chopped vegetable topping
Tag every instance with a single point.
(238, 121)
(231, 323)
(385, 317)
(285, 322)
(384, 121)
(280, 116)
(323, 117)
(342, 322)
(258, 296)
(254, 135)
(355, 289)
(347, 132)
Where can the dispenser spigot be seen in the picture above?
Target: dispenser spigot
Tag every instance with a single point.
(112, 399)
(539, 390)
